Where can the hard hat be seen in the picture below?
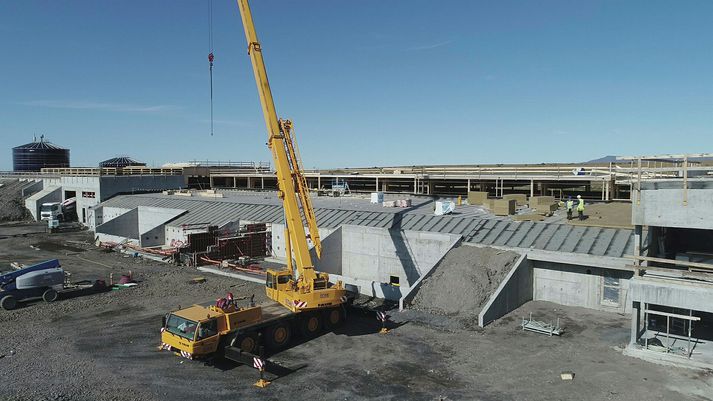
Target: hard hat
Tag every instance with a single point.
(579, 196)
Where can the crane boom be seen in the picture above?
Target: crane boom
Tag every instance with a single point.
(311, 290)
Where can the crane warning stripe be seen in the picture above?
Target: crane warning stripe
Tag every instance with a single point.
(258, 363)
(299, 304)
(381, 316)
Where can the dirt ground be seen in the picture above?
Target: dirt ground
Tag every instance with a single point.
(614, 214)
(104, 347)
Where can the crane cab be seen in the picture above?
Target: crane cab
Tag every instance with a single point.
(277, 281)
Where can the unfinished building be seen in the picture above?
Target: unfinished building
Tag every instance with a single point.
(672, 289)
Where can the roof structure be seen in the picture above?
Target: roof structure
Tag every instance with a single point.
(42, 144)
(473, 227)
(121, 161)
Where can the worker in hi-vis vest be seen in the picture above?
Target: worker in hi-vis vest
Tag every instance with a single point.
(580, 207)
(570, 207)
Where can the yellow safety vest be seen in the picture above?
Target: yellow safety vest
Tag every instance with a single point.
(580, 206)
(570, 204)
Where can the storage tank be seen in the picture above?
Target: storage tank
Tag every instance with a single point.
(38, 154)
(121, 162)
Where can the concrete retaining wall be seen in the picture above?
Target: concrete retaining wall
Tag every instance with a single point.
(514, 291)
(367, 257)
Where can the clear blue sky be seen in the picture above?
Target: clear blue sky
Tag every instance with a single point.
(367, 82)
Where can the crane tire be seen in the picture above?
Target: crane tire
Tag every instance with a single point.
(311, 325)
(278, 336)
(247, 342)
(8, 302)
(333, 318)
(50, 296)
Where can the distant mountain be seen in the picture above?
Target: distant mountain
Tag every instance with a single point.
(605, 159)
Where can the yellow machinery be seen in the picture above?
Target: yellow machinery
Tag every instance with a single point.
(310, 290)
(306, 300)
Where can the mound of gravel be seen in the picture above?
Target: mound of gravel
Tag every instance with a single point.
(12, 206)
(464, 280)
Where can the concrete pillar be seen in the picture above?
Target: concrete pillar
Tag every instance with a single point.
(603, 193)
(635, 322)
(211, 181)
(468, 185)
(637, 246)
(376, 188)
(249, 182)
(415, 185)
(319, 181)
(532, 188)
(262, 182)
(235, 182)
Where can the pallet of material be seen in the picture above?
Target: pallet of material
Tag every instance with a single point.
(543, 204)
(520, 199)
(504, 207)
(477, 198)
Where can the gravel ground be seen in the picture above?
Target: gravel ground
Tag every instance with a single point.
(103, 347)
(464, 280)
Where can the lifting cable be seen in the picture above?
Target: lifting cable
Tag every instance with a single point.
(210, 59)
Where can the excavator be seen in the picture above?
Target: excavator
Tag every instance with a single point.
(302, 298)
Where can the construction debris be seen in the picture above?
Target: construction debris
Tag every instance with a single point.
(542, 327)
(567, 375)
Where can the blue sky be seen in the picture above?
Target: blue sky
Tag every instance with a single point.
(368, 82)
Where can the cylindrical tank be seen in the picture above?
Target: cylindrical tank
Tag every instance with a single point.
(38, 154)
(121, 162)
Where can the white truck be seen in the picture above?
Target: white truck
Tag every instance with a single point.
(59, 211)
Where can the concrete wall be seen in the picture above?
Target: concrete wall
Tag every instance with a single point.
(577, 285)
(376, 254)
(515, 290)
(665, 208)
(31, 188)
(46, 195)
(82, 186)
(278, 240)
(112, 185)
(153, 237)
(696, 296)
(125, 226)
(367, 257)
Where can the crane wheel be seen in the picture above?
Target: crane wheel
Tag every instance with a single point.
(311, 325)
(333, 318)
(247, 343)
(278, 336)
(50, 296)
(8, 302)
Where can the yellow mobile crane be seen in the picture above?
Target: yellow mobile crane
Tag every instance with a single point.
(305, 300)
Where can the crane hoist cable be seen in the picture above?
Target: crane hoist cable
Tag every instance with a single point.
(210, 59)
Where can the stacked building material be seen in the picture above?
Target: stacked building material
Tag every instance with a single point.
(504, 207)
(477, 198)
(520, 199)
(543, 204)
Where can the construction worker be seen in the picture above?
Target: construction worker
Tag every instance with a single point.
(580, 207)
(570, 207)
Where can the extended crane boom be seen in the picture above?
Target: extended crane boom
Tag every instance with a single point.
(311, 288)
